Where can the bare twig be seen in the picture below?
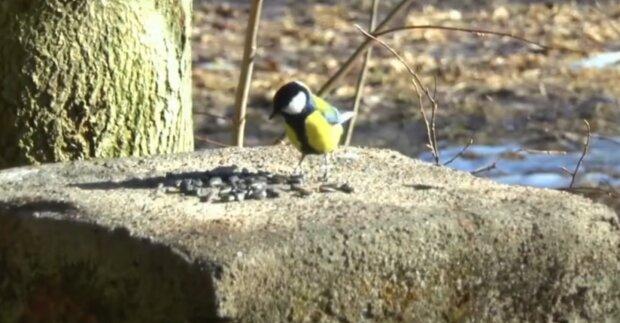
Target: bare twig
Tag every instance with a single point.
(544, 152)
(427, 124)
(433, 129)
(477, 32)
(210, 141)
(607, 190)
(583, 154)
(346, 66)
(418, 87)
(245, 78)
(612, 140)
(471, 141)
(607, 18)
(213, 115)
(361, 80)
(484, 169)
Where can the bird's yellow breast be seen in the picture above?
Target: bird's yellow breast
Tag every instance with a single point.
(320, 135)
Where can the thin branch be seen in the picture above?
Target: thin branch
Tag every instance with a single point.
(566, 171)
(245, 79)
(484, 169)
(583, 154)
(610, 139)
(418, 85)
(213, 115)
(361, 80)
(210, 141)
(544, 152)
(471, 141)
(427, 124)
(479, 32)
(435, 86)
(608, 190)
(346, 66)
(610, 21)
(433, 129)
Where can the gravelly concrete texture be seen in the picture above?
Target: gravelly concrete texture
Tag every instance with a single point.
(413, 242)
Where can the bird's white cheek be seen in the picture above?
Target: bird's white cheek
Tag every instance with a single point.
(297, 104)
(292, 110)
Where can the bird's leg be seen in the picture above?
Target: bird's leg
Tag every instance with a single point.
(325, 167)
(298, 170)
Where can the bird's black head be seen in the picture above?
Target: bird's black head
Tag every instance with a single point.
(291, 99)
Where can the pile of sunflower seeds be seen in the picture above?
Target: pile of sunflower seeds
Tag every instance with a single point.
(227, 184)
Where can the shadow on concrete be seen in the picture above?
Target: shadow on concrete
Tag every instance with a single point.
(168, 180)
(56, 270)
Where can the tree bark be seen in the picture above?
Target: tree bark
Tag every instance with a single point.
(94, 78)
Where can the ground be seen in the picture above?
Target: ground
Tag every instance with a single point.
(502, 93)
(412, 242)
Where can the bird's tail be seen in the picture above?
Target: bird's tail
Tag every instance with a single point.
(345, 116)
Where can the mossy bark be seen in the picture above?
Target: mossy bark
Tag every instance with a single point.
(94, 78)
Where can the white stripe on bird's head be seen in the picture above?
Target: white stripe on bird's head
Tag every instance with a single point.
(297, 104)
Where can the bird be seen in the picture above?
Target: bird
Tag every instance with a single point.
(312, 125)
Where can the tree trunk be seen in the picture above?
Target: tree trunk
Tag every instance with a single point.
(94, 78)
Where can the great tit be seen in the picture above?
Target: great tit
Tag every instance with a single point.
(312, 125)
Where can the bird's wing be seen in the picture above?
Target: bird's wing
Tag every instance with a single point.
(322, 136)
(331, 114)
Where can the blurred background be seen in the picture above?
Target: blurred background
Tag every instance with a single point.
(504, 94)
